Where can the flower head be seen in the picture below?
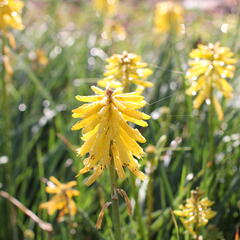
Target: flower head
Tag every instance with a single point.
(107, 137)
(10, 14)
(196, 211)
(124, 69)
(41, 57)
(108, 7)
(113, 31)
(63, 199)
(210, 67)
(168, 17)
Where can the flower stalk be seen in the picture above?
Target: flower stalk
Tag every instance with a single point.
(115, 202)
(137, 211)
(7, 144)
(4, 90)
(211, 130)
(150, 203)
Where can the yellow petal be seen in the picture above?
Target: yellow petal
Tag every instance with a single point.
(200, 98)
(86, 147)
(11, 40)
(136, 121)
(55, 181)
(218, 108)
(52, 190)
(71, 184)
(85, 122)
(143, 83)
(87, 109)
(89, 98)
(130, 144)
(88, 135)
(224, 87)
(117, 161)
(134, 133)
(135, 114)
(97, 172)
(98, 90)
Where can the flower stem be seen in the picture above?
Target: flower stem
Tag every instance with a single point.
(138, 210)
(4, 98)
(115, 204)
(211, 132)
(209, 159)
(5, 132)
(150, 200)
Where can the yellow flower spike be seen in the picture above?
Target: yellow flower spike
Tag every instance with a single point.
(209, 69)
(113, 31)
(125, 69)
(195, 212)
(168, 17)
(10, 11)
(41, 57)
(106, 7)
(106, 133)
(62, 200)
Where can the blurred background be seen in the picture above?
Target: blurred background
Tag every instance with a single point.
(61, 53)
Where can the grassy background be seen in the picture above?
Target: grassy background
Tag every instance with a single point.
(70, 34)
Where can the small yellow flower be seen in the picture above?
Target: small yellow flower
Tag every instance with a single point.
(106, 7)
(10, 11)
(63, 199)
(107, 136)
(196, 212)
(210, 67)
(113, 31)
(168, 17)
(41, 57)
(124, 69)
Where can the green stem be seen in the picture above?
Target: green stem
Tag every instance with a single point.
(191, 125)
(115, 204)
(138, 212)
(150, 200)
(209, 159)
(6, 145)
(5, 100)
(211, 131)
(69, 217)
(6, 116)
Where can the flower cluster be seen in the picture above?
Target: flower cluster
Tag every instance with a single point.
(196, 212)
(108, 138)
(124, 69)
(168, 17)
(210, 67)
(108, 7)
(63, 199)
(113, 31)
(10, 14)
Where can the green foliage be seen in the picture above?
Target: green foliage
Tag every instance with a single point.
(38, 117)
